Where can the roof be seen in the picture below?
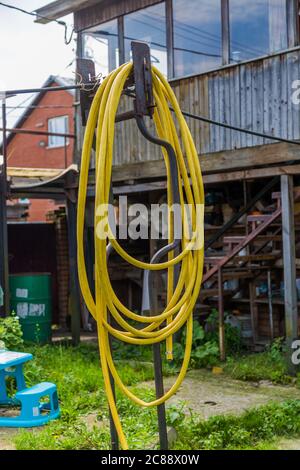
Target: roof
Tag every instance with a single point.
(59, 8)
(27, 182)
(60, 81)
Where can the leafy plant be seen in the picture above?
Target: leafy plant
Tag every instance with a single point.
(204, 351)
(11, 336)
(233, 339)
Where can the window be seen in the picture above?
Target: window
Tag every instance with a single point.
(197, 36)
(148, 25)
(257, 28)
(101, 45)
(59, 125)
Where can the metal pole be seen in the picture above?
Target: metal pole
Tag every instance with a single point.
(4, 274)
(157, 361)
(113, 431)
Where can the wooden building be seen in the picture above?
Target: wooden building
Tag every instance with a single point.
(238, 63)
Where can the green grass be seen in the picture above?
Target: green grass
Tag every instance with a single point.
(77, 373)
(78, 377)
(270, 365)
(256, 367)
(259, 428)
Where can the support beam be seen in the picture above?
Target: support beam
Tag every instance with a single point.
(221, 316)
(225, 32)
(228, 165)
(170, 38)
(293, 22)
(289, 257)
(4, 279)
(74, 297)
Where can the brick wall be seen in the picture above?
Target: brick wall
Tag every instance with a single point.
(30, 151)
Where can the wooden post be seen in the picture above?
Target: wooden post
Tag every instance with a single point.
(293, 22)
(270, 303)
(289, 256)
(221, 317)
(253, 311)
(74, 297)
(170, 38)
(225, 32)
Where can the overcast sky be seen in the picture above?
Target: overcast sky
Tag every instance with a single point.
(30, 52)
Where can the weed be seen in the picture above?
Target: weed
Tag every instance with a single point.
(253, 429)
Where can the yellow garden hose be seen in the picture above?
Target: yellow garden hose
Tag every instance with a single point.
(181, 299)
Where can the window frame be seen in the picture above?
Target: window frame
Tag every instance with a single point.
(66, 139)
(293, 39)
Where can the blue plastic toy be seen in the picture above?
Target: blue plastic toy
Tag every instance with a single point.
(34, 412)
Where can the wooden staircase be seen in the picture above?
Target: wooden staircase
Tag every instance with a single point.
(245, 257)
(242, 257)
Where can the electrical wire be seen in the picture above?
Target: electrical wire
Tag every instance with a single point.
(213, 122)
(31, 13)
(181, 298)
(238, 129)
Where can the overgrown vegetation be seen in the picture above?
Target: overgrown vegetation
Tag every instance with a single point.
(84, 420)
(205, 350)
(11, 336)
(270, 365)
(255, 429)
(77, 373)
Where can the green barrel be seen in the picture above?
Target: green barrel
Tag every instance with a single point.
(30, 299)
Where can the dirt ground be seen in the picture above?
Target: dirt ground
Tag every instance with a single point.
(209, 395)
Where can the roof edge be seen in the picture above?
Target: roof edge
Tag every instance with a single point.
(59, 8)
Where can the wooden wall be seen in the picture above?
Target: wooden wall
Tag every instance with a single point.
(106, 11)
(255, 95)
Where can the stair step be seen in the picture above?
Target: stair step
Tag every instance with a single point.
(277, 195)
(259, 218)
(262, 238)
(247, 258)
(204, 293)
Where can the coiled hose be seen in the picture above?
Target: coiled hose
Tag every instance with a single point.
(182, 297)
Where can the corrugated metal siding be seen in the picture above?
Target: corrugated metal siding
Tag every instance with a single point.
(255, 95)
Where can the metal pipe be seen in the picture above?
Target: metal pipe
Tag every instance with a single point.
(33, 132)
(23, 91)
(4, 273)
